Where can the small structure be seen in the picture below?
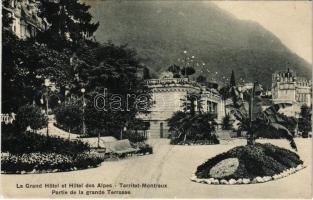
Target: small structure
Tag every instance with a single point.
(168, 95)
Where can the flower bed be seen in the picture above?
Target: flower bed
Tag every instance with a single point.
(248, 164)
(48, 162)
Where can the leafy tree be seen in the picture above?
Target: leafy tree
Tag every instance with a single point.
(175, 69)
(28, 65)
(187, 71)
(305, 120)
(185, 126)
(201, 79)
(30, 115)
(69, 116)
(70, 23)
(232, 79)
(146, 73)
(114, 71)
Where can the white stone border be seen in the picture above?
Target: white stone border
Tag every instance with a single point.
(214, 181)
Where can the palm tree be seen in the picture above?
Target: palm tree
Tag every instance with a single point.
(254, 120)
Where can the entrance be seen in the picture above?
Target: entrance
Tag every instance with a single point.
(161, 130)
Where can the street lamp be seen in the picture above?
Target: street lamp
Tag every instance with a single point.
(84, 105)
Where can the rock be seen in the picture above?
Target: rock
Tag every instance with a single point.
(75, 168)
(232, 181)
(299, 167)
(246, 181)
(207, 181)
(33, 171)
(211, 179)
(202, 181)
(239, 181)
(267, 178)
(216, 182)
(23, 172)
(259, 179)
(55, 170)
(223, 181)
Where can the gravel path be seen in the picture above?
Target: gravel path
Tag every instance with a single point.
(171, 166)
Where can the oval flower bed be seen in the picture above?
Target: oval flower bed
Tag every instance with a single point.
(47, 162)
(248, 164)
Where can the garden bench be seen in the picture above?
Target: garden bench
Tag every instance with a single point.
(121, 147)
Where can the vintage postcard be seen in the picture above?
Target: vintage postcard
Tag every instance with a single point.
(156, 99)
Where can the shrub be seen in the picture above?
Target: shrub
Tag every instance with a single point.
(47, 161)
(192, 127)
(30, 115)
(69, 117)
(226, 123)
(134, 136)
(31, 142)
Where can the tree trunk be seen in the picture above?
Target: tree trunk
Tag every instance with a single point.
(250, 139)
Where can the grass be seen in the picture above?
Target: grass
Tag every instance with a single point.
(254, 160)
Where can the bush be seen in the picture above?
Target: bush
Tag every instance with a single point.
(254, 160)
(134, 136)
(30, 115)
(192, 127)
(48, 161)
(69, 117)
(226, 123)
(31, 142)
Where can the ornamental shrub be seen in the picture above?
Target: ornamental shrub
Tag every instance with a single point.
(30, 115)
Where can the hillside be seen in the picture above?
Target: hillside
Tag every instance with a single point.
(161, 30)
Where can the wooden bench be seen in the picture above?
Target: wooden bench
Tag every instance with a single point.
(121, 148)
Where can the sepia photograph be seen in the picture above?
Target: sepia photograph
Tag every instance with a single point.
(156, 99)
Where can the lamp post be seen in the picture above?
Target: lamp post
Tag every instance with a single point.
(84, 105)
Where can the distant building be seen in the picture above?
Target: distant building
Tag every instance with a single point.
(25, 20)
(168, 95)
(287, 87)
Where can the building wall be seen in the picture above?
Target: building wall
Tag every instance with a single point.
(287, 87)
(168, 95)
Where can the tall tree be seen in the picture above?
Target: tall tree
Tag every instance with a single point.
(232, 79)
(70, 22)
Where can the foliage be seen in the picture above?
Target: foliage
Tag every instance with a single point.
(69, 116)
(146, 73)
(254, 120)
(31, 142)
(232, 79)
(30, 115)
(185, 126)
(175, 69)
(254, 160)
(115, 72)
(28, 162)
(28, 65)
(187, 71)
(226, 123)
(305, 120)
(134, 136)
(70, 23)
(201, 79)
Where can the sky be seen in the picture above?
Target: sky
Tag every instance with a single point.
(290, 21)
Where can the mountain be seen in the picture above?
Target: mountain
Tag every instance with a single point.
(161, 30)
